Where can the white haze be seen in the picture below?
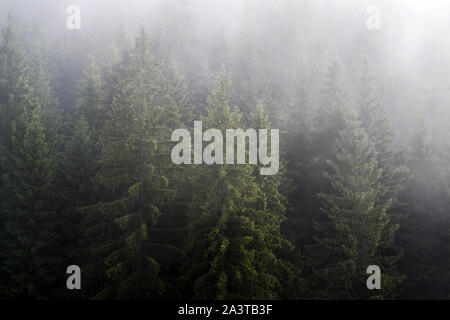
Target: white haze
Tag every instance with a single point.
(411, 52)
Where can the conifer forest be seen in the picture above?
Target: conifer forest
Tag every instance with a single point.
(118, 166)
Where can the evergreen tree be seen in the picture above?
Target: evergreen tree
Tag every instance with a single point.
(16, 91)
(76, 169)
(168, 235)
(273, 205)
(41, 81)
(425, 223)
(356, 231)
(29, 257)
(376, 123)
(129, 172)
(91, 98)
(329, 116)
(328, 121)
(235, 225)
(299, 152)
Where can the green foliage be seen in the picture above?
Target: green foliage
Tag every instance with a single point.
(425, 223)
(86, 176)
(352, 234)
(376, 123)
(235, 232)
(29, 258)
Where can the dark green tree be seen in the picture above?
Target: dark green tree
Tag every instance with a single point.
(375, 121)
(425, 225)
(235, 225)
(300, 156)
(273, 205)
(30, 259)
(356, 231)
(135, 189)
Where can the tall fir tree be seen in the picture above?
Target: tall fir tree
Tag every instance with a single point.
(30, 259)
(135, 188)
(299, 152)
(167, 237)
(376, 123)
(356, 231)
(273, 205)
(41, 80)
(90, 103)
(76, 169)
(425, 224)
(235, 224)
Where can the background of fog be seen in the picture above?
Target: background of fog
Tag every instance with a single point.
(410, 54)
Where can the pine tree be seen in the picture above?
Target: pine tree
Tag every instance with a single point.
(76, 189)
(15, 88)
(41, 81)
(327, 123)
(76, 168)
(375, 121)
(356, 231)
(14, 91)
(425, 223)
(272, 204)
(168, 235)
(31, 258)
(30, 261)
(297, 137)
(91, 99)
(129, 173)
(235, 225)
(77, 165)
(329, 116)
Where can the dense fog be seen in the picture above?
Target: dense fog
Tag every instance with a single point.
(294, 65)
(409, 53)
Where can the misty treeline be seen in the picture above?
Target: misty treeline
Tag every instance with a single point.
(87, 178)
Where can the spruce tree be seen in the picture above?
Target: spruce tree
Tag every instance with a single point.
(76, 169)
(299, 154)
(375, 121)
(356, 231)
(41, 80)
(30, 259)
(91, 97)
(135, 188)
(235, 224)
(328, 121)
(329, 115)
(272, 204)
(31, 256)
(425, 223)
(167, 237)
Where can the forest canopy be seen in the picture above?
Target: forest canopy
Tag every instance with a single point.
(354, 95)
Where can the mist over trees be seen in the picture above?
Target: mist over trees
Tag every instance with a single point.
(86, 118)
